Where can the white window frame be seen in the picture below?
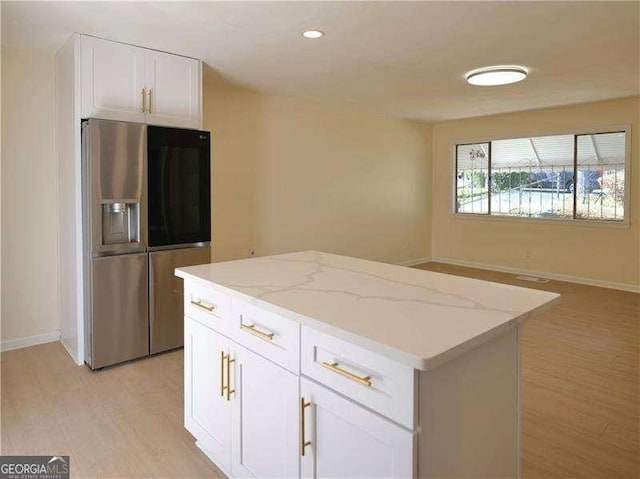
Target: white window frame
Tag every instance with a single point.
(591, 130)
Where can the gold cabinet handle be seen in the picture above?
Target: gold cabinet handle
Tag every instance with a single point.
(143, 93)
(225, 389)
(251, 328)
(303, 442)
(199, 304)
(364, 380)
(150, 100)
(228, 387)
(222, 386)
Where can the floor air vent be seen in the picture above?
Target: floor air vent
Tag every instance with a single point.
(533, 279)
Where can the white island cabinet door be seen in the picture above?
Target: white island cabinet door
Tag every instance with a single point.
(173, 84)
(112, 80)
(349, 441)
(207, 413)
(265, 429)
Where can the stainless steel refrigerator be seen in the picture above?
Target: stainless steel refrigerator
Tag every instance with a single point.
(140, 183)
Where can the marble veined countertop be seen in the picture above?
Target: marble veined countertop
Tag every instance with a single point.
(416, 317)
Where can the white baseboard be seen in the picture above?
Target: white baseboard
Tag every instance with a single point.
(25, 342)
(414, 262)
(633, 288)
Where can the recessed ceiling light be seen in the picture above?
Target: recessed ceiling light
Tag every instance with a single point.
(313, 34)
(497, 75)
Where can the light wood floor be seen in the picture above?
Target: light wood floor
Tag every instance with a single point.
(579, 397)
(124, 421)
(580, 381)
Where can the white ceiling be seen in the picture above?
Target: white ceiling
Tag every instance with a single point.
(406, 59)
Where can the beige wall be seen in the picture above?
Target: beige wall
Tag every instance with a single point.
(29, 178)
(591, 252)
(289, 174)
(294, 174)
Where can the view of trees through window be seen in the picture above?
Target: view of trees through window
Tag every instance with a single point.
(562, 176)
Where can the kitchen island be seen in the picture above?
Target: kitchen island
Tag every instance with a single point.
(316, 365)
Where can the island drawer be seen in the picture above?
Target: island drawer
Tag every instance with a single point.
(207, 306)
(368, 378)
(267, 334)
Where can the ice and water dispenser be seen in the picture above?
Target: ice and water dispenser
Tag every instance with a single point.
(120, 222)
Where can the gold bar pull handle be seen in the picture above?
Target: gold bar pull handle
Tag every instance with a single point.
(222, 385)
(251, 328)
(364, 380)
(228, 388)
(199, 304)
(144, 98)
(303, 443)
(150, 100)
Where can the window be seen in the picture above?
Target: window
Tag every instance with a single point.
(579, 176)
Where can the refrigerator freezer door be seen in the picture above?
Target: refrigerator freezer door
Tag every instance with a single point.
(166, 295)
(119, 309)
(115, 186)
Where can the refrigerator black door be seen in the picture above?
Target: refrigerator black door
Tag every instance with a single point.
(119, 309)
(166, 298)
(179, 186)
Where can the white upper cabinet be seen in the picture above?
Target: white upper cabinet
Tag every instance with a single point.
(173, 90)
(128, 83)
(112, 80)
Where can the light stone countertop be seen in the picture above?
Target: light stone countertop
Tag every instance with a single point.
(416, 317)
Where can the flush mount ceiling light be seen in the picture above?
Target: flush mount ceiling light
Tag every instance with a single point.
(312, 34)
(497, 75)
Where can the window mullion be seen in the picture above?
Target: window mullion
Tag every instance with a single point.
(489, 182)
(456, 206)
(575, 177)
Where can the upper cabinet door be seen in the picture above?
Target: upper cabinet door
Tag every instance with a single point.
(112, 80)
(173, 89)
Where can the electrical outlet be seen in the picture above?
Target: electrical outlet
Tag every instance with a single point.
(527, 253)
